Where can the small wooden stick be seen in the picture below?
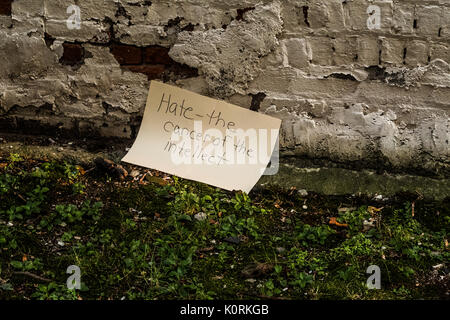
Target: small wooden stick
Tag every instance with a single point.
(32, 275)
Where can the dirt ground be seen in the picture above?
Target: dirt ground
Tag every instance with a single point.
(137, 233)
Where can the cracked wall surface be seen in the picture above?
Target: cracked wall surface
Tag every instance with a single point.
(376, 97)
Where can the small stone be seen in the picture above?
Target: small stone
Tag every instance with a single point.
(280, 249)
(134, 173)
(60, 243)
(305, 207)
(60, 149)
(233, 240)
(10, 224)
(368, 224)
(200, 216)
(302, 192)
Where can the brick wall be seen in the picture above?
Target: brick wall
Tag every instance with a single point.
(346, 90)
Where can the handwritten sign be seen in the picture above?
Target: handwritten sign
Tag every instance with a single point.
(203, 139)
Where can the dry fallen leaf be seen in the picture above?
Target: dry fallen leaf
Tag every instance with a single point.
(157, 180)
(333, 221)
(207, 249)
(81, 170)
(374, 210)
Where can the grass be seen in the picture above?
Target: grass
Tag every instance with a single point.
(177, 239)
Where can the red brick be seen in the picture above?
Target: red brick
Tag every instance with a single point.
(5, 7)
(151, 71)
(157, 55)
(73, 54)
(127, 55)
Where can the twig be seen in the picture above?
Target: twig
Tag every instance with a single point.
(89, 170)
(32, 275)
(20, 196)
(142, 179)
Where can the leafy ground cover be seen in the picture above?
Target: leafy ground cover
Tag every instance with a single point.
(157, 237)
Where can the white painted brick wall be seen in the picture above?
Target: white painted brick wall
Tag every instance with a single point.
(345, 92)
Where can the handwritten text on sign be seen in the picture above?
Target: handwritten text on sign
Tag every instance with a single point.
(203, 139)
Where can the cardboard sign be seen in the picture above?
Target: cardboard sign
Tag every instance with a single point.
(203, 139)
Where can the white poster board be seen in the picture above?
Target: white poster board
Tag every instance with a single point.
(203, 139)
